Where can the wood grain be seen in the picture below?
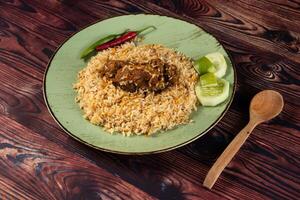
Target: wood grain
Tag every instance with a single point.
(38, 160)
(266, 30)
(57, 172)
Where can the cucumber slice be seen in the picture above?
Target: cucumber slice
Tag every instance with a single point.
(212, 96)
(219, 63)
(203, 65)
(208, 80)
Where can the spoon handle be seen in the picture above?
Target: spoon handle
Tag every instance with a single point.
(227, 155)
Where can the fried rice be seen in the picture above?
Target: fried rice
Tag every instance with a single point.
(129, 113)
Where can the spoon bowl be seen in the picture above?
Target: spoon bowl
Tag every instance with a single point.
(265, 105)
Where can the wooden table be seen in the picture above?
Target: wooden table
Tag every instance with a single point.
(39, 161)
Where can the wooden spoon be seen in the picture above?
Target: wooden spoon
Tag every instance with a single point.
(264, 106)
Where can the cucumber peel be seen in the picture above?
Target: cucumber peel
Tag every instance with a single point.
(204, 65)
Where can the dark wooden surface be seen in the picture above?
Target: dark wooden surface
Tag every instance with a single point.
(39, 161)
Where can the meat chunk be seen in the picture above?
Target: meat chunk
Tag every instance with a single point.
(131, 79)
(111, 68)
(154, 75)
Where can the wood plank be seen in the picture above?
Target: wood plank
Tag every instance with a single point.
(226, 26)
(22, 45)
(48, 25)
(257, 167)
(33, 161)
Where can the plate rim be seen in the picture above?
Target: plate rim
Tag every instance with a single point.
(144, 152)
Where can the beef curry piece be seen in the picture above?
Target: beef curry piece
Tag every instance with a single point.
(153, 76)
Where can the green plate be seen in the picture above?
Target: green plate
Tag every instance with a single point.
(65, 64)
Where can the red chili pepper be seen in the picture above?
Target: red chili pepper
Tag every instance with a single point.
(122, 39)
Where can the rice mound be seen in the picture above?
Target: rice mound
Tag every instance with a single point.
(136, 113)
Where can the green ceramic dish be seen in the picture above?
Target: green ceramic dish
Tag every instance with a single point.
(65, 64)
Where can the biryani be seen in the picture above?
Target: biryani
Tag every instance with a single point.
(138, 90)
